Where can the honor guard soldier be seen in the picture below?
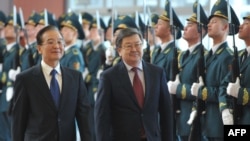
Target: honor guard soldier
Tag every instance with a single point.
(168, 29)
(152, 40)
(11, 61)
(87, 19)
(189, 61)
(2, 24)
(71, 30)
(30, 56)
(95, 56)
(2, 50)
(240, 88)
(218, 62)
(163, 55)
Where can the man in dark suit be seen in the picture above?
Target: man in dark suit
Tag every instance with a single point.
(119, 114)
(36, 114)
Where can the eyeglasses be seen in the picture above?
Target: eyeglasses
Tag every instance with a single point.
(130, 46)
(52, 42)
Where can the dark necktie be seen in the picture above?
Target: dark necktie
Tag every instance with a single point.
(186, 54)
(158, 51)
(54, 88)
(244, 56)
(138, 89)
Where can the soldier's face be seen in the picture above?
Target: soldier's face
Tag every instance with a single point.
(191, 32)
(162, 28)
(9, 32)
(217, 27)
(69, 35)
(245, 30)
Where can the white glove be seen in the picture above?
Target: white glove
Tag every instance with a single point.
(227, 117)
(12, 73)
(233, 88)
(95, 96)
(85, 73)
(191, 117)
(99, 73)
(1, 67)
(195, 87)
(9, 93)
(110, 55)
(172, 85)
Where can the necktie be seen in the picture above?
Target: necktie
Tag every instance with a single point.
(158, 51)
(186, 54)
(54, 88)
(244, 56)
(138, 89)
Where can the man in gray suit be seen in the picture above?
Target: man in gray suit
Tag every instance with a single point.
(36, 114)
(119, 114)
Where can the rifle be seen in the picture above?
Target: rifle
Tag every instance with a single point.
(237, 109)
(146, 55)
(16, 30)
(195, 132)
(174, 69)
(30, 55)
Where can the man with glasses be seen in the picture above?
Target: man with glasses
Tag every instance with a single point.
(133, 102)
(49, 97)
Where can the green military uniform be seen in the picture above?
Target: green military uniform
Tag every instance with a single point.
(147, 54)
(189, 63)
(217, 68)
(244, 91)
(243, 101)
(11, 60)
(32, 52)
(163, 58)
(4, 134)
(95, 56)
(166, 55)
(72, 57)
(87, 19)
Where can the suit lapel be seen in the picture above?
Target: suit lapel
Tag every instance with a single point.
(147, 82)
(124, 77)
(43, 88)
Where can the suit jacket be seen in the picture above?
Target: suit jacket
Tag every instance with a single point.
(35, 116)
(118, 116)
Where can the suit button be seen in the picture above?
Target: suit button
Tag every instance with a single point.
(58, 120)
(142, 115)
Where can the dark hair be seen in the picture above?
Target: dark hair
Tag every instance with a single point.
(126, 33)
(39, 36)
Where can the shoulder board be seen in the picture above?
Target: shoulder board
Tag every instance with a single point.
(75, 51)
(241, 52)
(229, 51)
(166, 51)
